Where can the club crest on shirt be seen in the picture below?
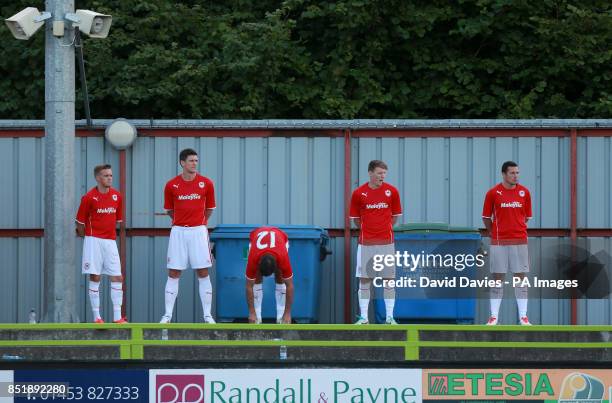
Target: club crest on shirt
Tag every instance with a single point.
(115, 197)
(201, 185)
(522, 193)
(388, 193)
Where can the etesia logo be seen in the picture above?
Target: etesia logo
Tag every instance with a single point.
(108, 210)
(512, 205)
(377, 206)
(193, 196)
(490, 384)
(179, 388)
(579, 387)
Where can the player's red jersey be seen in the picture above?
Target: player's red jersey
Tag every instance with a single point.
(509, 209)
(375, 208)
(189, 200)
(271, 240)
(100, 212)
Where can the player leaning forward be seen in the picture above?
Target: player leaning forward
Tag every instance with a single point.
(189, 199)
(375, 207)
(97, 218)
(268, 254)
(506, 210)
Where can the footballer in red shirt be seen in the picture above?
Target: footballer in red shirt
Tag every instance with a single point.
(375, 208)
(100, 210)
(268, 254)
(506, 210)
(189, 200)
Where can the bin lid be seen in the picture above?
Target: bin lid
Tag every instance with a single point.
(242, 231)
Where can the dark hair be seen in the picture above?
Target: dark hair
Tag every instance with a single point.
(267, 265)
(376, 164)
(186, 153)
(508, 164)
(100, 168)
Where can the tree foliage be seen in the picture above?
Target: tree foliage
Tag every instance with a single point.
(331, 59)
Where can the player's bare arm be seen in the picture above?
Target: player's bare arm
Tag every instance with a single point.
(288, 300)
(487, 223)
(80, 228)
(208, 213)
(357, 222)
(394, 220)
(251, 300)
(170, 213)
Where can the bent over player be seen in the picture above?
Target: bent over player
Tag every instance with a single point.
(189, 199)
(100, 210)
(506, 210)
(268, 255)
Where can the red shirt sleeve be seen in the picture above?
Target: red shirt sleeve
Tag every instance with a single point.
(489, 204)
(168, 197)
(83, 212)
(354, 211)
(210, 195)
(285, 267)
(528, 212)
(396, 205)
(119, 213)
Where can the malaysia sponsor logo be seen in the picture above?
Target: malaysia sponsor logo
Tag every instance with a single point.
(512, 205)
(107, 210)
(579, 387)
(380, 205)
(115, 197)
(388, 193)
(193, 196)
(522, 193)
(201, 185)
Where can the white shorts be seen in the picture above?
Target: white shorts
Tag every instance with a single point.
(100, 256)
(366, 259)
(189, 247)
(513, 258)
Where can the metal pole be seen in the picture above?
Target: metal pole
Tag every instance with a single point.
(59, 269)
(122, 231)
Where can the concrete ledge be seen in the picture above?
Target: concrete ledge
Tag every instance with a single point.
(514, 336)
(271, 354)
(85, 334)
(337, 335)
(57, 353)
(539, 356)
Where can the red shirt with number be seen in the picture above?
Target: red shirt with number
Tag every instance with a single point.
(509, 209)
(100, 213)
(376, 209)
(189, 200)
(270, 240)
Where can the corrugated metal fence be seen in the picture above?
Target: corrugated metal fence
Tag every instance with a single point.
(293, 172)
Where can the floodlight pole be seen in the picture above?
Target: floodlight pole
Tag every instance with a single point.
(59, 247)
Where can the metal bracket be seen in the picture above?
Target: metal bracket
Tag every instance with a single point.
(42, 16)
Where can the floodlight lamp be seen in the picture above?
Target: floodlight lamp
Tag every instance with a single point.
(25, 23)
(120, 133)
(92, 24)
